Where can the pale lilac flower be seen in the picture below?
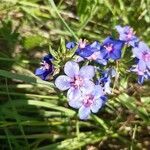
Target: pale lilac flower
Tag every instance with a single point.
(76, 80)
(88, 102)
(127, 35)
(142, 52)
(142, 75)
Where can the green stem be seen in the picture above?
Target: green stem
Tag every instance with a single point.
(63, 21)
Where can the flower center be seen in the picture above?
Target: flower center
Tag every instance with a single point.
(77, 82)
(129, 34)
(45, 65)
(82, 43)
(88, 100)
(108, 47)
(146, 57)
(94, 56)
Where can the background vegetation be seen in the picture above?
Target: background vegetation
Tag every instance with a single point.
(35, 115)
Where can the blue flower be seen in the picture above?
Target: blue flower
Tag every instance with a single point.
(70, 45)
(127, 35)
(105, 80)
(88, 51)
(89, 102)
(85, 50)
(111, 48)
(142, 52)
(46, 67)
(76, 80)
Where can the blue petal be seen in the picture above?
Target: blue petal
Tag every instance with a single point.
(97, 91)
(70, 45)
(140, 79)
(79, 59)
(84, 112)
(107, 40)
(39, 71)
(73, 93)
(116, 53)
(104, 99)
(62, 82)
(75, 103)
(119, 28)
(95, 46)
(87, 87)
(102, 61)
(84, 52)
(87, 72)
(48, 58)
(71, 69)
(141, 65)
(96, 105)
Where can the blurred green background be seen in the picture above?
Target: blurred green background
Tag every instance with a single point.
(35, 115)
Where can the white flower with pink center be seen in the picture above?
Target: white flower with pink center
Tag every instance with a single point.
(76, 80)
(142, 52)
(88, 102)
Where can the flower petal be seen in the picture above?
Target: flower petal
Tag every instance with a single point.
(84, 52)
(87, 87)
(96, 105)
(119, 28)
(73, 93)
(39, 71)
(141, 65)
(75, 103)
(143, 47)
(107, 87)
(84, 112)
(87, 72)
(136, 52)
(70, 45)
(97, 91)
(62, 82)
(140, 79)
(71, 68)
(116, 54)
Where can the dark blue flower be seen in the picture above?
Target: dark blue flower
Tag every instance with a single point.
(111, 48)
(46, 67)
(85, 50)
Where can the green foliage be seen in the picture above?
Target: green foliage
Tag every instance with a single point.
(33, 41)
(35, 115)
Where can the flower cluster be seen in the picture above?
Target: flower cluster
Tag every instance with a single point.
(82, 93)
(87, 87)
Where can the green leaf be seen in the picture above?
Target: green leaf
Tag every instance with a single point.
(24, 78)
(33, 41)
(75, 143)
(130, 103)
